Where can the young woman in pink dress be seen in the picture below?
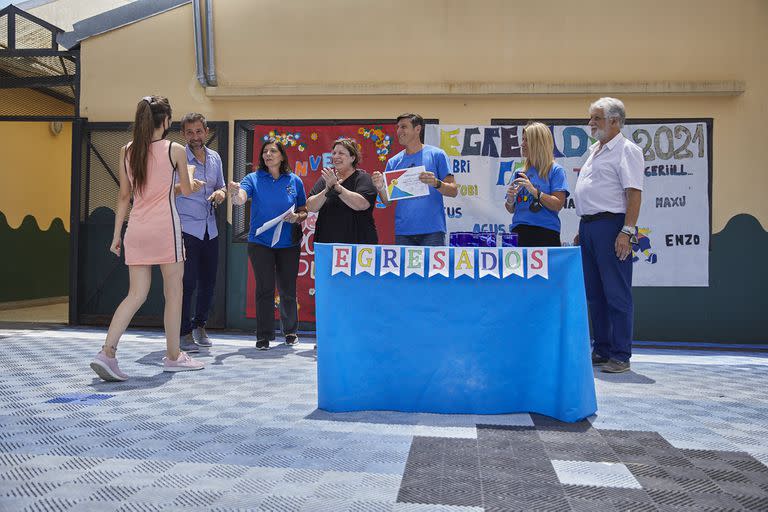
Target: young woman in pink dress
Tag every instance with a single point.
(148, 165)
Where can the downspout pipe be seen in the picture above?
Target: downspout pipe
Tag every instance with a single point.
(210, 74)
(198, 22)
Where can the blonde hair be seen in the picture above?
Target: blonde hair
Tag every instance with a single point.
(540, 148)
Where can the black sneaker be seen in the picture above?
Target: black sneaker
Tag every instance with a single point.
(598, 360)
(614, 366)
(262, 345)
(291, 339)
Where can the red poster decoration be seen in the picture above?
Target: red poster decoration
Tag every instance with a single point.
(309, 150)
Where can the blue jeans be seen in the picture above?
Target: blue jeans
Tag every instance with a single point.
(425, 240)
(199, 274)
(608, 283)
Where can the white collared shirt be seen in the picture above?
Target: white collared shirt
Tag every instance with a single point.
(608, 171)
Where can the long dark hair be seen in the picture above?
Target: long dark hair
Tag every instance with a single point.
(151, 112)
(285, 168)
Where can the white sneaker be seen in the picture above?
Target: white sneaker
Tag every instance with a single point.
(183, 364)
(201, 337)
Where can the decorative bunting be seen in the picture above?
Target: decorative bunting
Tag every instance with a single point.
(404, 261)
(390, 260)
(464, 263)
(439, 259)
(342, 260)
(512, 262)
(414, 261)
(488, 263)
(538, 263)
(365, 260)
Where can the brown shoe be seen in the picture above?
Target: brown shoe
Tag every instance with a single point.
(614, 366)
(598, 360)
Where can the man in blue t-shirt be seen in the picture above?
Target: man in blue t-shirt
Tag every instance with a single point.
(420, 220)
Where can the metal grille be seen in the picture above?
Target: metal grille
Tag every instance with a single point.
(36, 78)
(31, 104)
(32, 35)
(102, 279)
(241, 166)
(4, 31)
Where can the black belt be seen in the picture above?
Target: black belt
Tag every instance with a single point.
(598, 216)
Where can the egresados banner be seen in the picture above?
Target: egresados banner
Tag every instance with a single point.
(674, 222)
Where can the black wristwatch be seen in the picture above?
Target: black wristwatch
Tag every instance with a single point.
(439, 184)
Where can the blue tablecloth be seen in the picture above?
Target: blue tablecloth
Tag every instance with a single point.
(455, 345)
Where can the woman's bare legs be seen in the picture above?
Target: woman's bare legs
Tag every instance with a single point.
(173, 288)
(140, 278)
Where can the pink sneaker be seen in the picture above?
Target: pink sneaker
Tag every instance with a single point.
(183, 364)
(106, 368)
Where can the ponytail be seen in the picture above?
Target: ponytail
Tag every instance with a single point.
(151, 112)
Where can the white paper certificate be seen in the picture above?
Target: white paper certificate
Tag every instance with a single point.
(405, 184)
(277, 221)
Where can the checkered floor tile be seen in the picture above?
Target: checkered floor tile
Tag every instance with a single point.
(682, 431)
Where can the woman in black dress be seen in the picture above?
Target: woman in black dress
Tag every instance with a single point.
(344, 199)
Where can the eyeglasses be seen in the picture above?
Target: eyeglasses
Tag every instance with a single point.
(596, 118)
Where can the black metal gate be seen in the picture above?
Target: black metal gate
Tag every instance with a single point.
(101, 280)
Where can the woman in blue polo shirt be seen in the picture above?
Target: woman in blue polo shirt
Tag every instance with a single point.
(273, 190)
(538, 192)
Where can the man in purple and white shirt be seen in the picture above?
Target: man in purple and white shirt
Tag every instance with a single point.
(198, 226)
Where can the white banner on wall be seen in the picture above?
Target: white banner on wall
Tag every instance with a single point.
(673, 248)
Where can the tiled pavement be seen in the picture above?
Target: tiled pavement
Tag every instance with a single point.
(683, 431)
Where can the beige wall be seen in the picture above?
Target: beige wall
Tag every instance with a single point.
(340, 45)
(36, 168)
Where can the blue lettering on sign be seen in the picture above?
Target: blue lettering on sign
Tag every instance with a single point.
(453, 212)
(461, 166)
(582, 140)
(495, 228)
(327, 160)
(556, 151)
(506, 168)
(314, 161)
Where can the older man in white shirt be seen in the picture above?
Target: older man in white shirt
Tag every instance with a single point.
(607, 196)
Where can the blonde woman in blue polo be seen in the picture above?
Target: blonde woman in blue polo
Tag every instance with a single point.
(538, 193)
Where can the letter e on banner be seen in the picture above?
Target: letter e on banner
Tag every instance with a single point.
(342, 260)
(538, 263)
(464, 263)
(390, 260)
(512, 262)
(438, 262)
(365, 260)
(488, 263)
(414, 261)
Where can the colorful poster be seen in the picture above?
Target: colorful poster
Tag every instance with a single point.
(309, 150)
(674, 227)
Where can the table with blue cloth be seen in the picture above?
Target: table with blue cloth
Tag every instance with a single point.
(455, 345)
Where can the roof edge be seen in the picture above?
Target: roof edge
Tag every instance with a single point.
(116, 18)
